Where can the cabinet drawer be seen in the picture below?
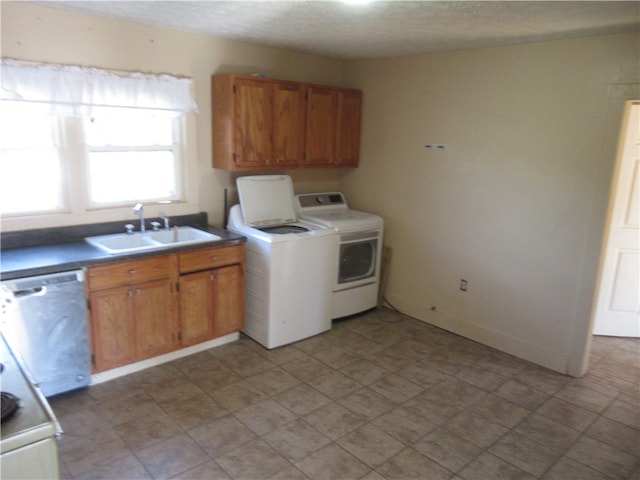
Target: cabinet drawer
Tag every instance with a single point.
(129, 272)
(207, 258)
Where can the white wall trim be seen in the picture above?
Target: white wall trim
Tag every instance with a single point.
(160, 359)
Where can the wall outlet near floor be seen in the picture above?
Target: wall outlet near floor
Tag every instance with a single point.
(463, 285)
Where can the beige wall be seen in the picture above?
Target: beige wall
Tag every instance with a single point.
(30, 32)
(515, 204)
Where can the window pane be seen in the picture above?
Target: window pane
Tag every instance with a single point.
(128, 127)
(117, 177)
(30, 166)
(31, 181)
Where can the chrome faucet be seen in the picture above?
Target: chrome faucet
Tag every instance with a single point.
(139, 210)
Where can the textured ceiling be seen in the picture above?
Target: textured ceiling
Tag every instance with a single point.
(377, 29)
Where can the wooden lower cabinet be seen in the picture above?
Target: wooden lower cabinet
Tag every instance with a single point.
(132, 323)
(196, 307)
(211, 293)
(140, 309)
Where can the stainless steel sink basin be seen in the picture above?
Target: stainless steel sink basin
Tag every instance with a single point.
(136, 242)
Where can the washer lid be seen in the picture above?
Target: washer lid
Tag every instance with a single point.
(266, 199)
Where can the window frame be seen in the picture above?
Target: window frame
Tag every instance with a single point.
(75, 194)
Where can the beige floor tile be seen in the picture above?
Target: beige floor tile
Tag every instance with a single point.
(254, 460)
(296, 440)
(334, 420)
(302, 399)
(448, 449)
(476, 428)
(205, 471)
(409, 464)
(128, 467)
(238, 395)
(602, 457)
(363, 371)
(524, 453)
(567, 413)
(521, 394)
(170, 457)
(547, 432)
(367, 403)
(264, 416)
(195, 410)
(273, 381)
(379, 396)
(335, 384)
(396, 388)
(370, 444)
(147, 430)
(221, 435)
(488, 466)
(404, 424)
(586, 397)
(566, 469)
(332, 463)
(501, 411)
(617, 435)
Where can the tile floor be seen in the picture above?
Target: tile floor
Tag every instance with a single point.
(379, 396)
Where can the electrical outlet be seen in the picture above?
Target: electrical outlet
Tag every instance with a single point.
(463, 285)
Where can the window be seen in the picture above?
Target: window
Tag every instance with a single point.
(74, 139)
(132, 155)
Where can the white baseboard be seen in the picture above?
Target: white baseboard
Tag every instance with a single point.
(517, 347)
(160, 359)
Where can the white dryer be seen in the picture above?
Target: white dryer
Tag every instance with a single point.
(358, 250)
(289, 267)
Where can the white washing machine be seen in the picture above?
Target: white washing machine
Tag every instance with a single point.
(289, 267)
(358, 250)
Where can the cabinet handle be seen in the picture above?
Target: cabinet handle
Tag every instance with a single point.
(130, 293)
(138, 292)
(213, 257)
(133, 271)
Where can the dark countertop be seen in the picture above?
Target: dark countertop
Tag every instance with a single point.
(58, 250)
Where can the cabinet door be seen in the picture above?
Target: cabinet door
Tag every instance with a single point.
(288, 123)
(112, 329)
(228, 300)
(348, 127)
(196, 307)
(155, 327)
(252, 123)
(320, 126)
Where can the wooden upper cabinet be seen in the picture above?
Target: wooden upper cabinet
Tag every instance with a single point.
(321, 126)
(257, 123)
(263, 123)
(348, 118)
(333, 127)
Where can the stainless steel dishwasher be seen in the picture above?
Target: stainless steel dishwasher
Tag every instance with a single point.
(51, 332)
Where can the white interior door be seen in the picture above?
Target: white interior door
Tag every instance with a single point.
(618, 299)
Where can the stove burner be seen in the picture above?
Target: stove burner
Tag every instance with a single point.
(9, 405)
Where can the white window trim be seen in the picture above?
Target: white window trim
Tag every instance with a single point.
(76, 210)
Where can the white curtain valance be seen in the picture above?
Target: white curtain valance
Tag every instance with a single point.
(78, 87)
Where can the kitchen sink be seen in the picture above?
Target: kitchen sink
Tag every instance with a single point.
(153, 240)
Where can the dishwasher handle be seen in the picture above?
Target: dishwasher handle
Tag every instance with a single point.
(31, 292)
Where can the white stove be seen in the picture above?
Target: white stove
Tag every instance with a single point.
(359, 245)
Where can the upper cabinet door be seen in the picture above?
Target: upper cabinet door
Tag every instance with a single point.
(288, 123)
(263, 123)
(348, 119)
(321, 126)
(252, 123)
